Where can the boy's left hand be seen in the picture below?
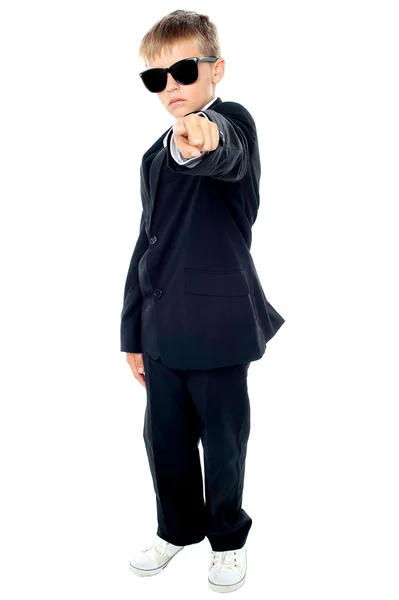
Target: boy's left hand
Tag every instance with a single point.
(195, 134)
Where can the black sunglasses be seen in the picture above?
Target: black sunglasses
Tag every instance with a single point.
(184, 72)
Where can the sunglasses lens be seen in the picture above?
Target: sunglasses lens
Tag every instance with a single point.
(185, 71)
(154, 80)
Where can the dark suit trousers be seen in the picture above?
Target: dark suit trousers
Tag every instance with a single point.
(184, 406)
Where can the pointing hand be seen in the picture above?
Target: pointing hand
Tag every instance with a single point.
(195, 134)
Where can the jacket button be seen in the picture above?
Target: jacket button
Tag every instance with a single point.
(153, 239)
(158, 293)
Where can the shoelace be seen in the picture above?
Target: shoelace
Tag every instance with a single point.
(226, 559)
(154, 547)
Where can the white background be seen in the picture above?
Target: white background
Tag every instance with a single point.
(321, 81)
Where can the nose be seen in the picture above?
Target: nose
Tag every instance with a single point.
(171, 84)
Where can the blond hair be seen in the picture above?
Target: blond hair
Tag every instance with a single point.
(180, 26)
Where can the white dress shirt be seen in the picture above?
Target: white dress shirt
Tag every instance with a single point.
(175, 152)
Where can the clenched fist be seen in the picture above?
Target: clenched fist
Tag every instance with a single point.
(195, 134)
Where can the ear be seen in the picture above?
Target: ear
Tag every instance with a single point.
(218, 70)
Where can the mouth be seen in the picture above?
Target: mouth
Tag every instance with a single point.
(177, 101)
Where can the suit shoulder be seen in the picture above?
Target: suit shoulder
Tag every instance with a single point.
(235, 109)
(155, 148)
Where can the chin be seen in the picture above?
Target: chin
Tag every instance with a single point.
(181, 110)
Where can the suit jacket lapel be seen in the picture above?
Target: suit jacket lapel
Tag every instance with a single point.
(149, 181)
(155, 170)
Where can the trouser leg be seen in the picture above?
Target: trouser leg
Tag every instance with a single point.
(222, 403)
(171, 435)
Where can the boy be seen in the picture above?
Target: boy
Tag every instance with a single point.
(194, 313)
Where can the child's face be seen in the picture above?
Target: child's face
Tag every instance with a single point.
(195, 95)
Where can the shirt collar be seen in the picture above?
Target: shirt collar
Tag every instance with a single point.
(203, 108)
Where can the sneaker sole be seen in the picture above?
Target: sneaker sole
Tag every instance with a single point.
(226, 588)
(150, 572)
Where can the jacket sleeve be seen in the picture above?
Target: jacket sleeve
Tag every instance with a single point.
(130, 331)
(230, 160)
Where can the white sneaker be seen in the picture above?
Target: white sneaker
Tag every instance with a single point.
(152, 559)
(227, 570)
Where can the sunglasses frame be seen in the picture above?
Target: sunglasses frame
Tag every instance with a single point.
(170, 70)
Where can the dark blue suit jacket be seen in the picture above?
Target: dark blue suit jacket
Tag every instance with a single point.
(209, 306)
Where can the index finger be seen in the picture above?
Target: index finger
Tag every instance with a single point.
(195, 131)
